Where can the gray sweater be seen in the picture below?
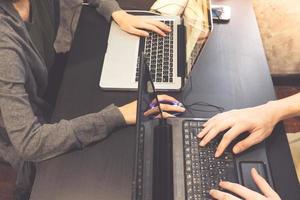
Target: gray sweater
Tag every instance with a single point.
(24, 132)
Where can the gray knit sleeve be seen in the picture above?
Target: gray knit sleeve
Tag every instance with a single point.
(33, 140)
(105, 7)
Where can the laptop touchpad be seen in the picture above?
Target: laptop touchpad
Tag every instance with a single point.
(247, 179)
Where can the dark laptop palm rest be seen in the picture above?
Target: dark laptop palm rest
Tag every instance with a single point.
(202, 170)
(162, 163)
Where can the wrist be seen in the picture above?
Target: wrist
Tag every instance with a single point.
(118, 14)
(277, 110)
(126, 112)
(123, 112)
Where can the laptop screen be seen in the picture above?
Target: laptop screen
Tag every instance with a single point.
(146, 92)
(144, 141)
(153, 161)
(198, 25)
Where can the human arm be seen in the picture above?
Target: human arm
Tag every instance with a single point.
(35, 140)
(245, 193)
(21, 111)
(132, 24)
(20, 108)
(258, 121)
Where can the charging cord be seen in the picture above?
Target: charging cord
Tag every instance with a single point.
(199, 106)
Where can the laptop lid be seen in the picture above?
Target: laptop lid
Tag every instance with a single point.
(198, 26)
(145, 96)
(158, 137)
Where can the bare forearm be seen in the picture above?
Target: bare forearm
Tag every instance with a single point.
(286, 108)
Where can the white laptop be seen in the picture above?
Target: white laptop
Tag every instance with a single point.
(170, 58)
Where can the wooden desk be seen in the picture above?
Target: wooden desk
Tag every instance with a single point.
(231, 72)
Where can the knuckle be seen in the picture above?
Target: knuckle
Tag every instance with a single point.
(213, 130)
(163, 106)
(167, 107)
(226, 138)
(226, 197)
(261, 137)
(230, 185)
(217, 116)
(243, 145)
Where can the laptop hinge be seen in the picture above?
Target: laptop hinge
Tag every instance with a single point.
(181, 50)
(141, 46)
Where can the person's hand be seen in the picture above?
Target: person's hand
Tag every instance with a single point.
(258, 121)
(245, 193)
(138, 25)
(165, 108)
(129, 110)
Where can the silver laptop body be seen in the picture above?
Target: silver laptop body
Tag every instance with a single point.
(119, 70)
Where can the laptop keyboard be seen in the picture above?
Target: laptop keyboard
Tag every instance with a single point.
(159, 51)
(202, 170)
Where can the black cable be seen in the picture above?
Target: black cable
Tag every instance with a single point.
(201, 104)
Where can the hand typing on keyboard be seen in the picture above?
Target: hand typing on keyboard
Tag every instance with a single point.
(257, 121)
(203, 171)
(138, 25)
(245, 193)
(160, 52)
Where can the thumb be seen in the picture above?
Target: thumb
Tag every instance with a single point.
(263, 185)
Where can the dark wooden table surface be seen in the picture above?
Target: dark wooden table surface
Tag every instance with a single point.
(231, 72)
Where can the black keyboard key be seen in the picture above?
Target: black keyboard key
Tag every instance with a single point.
(152, 76)
(152, 71)
(165, 72)
(202, 170)
(158, 50)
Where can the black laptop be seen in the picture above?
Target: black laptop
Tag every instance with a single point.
(170, 164)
